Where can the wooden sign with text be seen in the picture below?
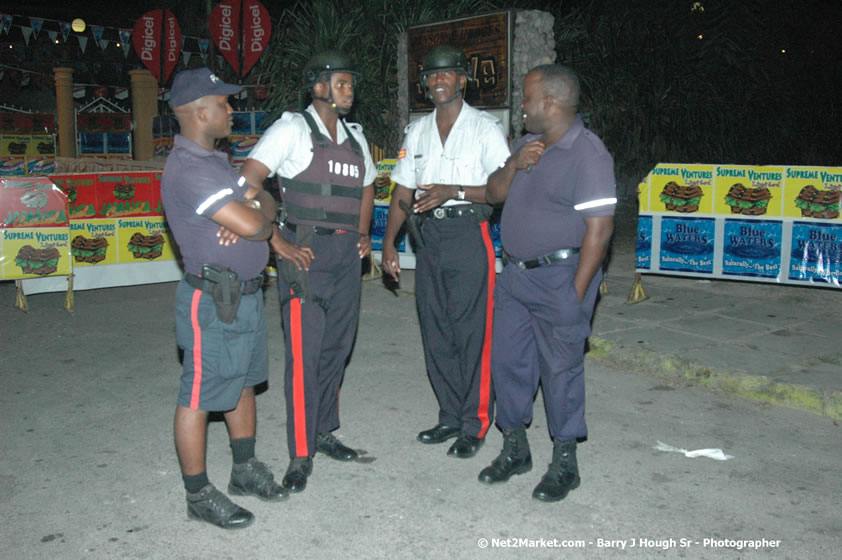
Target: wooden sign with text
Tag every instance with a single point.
(484, 40)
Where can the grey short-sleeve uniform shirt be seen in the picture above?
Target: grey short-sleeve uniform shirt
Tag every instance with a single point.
(545, 208)
(196, 183)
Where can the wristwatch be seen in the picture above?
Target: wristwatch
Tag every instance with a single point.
(460, 194)
(254, 203)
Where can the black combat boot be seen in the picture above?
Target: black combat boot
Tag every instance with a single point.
(514, 459)
(562, 475)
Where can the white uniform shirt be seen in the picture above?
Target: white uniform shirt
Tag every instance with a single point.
(286, 147)
(475, 147)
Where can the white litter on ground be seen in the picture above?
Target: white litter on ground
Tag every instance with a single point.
(712, 453)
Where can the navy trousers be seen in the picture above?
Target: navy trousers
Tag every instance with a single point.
(540, 328)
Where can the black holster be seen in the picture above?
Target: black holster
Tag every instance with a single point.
(225, 291)
(413, 225)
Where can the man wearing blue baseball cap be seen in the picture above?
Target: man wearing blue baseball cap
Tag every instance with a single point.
(220, 321)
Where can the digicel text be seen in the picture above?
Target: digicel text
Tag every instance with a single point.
(172, 49)
(257, 29)
(149, 42)
(226, 31)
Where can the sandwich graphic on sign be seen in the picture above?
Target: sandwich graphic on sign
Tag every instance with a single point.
(37, 261)
(818, 204)
(123, 192)
(681, 198)
(146, 246)
(88, 250)
(747, 200)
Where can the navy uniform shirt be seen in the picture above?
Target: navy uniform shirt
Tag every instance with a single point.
(195, 185)
(545, 208)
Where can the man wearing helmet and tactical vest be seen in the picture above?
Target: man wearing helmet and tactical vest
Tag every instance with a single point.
(443, 166)
(326, 177)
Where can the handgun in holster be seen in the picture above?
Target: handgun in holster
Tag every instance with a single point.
(226, 291)
(413, 225)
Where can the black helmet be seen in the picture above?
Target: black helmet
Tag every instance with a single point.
(444, 57)
(328, 61)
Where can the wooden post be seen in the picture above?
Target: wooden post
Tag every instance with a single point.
(144, 110)
(65, 114)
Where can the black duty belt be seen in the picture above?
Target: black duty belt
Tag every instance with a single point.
(318, 229)
(246, 287)
(445, 212)
(543, 260)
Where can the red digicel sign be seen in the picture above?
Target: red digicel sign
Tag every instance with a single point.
(241, 31)
(153, 28)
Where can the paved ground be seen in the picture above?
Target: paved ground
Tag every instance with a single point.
(88, 468)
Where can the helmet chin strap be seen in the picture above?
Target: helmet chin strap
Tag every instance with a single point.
(341, 111)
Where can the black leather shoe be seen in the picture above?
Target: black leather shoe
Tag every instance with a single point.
(295, 479)
(465, 446)
(253, 478)
(211, 505)
(438, 434)
(562, 475)
(328, 444)
(515, 458)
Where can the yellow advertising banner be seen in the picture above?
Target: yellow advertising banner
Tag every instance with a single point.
(760, 223)
(643, 197)
(93, 242)
(682, 189)
(35, 252)
(749, 190)
(813, 192)
(383, 184)
(144, 239)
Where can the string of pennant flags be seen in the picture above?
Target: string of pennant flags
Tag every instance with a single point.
(31, 28)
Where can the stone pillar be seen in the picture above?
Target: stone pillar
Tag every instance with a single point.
(65, 114)
(144, 109)
(533, 43)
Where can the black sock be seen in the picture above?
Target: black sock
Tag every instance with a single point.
(195, 482)
(242, 449)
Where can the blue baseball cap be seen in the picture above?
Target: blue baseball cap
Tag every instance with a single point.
(190, 85)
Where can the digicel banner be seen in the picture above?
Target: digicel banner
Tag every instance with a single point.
(240, 27)
(150, 31)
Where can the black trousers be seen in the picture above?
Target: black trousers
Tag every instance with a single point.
(454, 286)
(318, 339)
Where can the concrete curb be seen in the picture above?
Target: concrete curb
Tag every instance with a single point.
(756, 387)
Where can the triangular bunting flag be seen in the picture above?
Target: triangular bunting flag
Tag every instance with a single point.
(27, 32)
(103, 44)
(125, 38)
(36, 25)
(96, 31)
(203, 46)
(83, 42)
(121, 93)
(7, 23)
(185, 56)
(24, 81)
(64, 26)
(53, 36)
(78, 91)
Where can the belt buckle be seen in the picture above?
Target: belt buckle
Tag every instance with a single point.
(439, 213)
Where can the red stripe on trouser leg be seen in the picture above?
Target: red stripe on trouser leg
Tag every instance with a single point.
(485, 372)
(197, 350)
(298, 401)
